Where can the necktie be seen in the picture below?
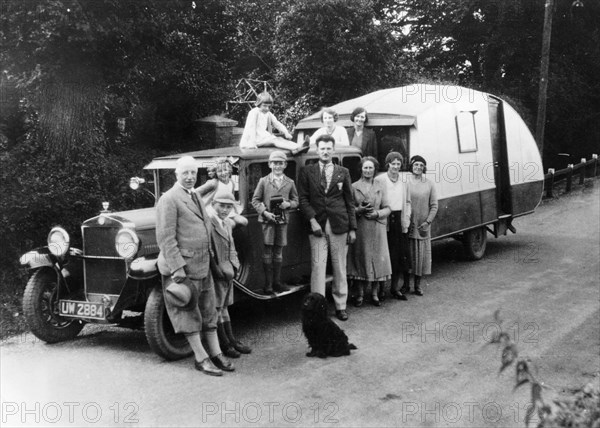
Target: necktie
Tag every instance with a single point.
(323, 178)
(196, 200)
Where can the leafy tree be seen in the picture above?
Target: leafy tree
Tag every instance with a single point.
(73, 73)
(334, 50)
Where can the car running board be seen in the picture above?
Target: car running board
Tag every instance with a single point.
(292, 289)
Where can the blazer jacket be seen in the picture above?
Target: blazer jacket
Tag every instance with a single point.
(223, 245)
(336, 203)
(182, 234)
(369, 141)
(265, 190)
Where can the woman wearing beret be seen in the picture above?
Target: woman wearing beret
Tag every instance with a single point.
(424, 208)
(361, 137)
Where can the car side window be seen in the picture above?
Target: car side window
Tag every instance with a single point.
(258, 170)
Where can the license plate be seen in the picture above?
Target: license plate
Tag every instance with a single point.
(73, 308)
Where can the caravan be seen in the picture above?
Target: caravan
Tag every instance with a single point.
(480, 154)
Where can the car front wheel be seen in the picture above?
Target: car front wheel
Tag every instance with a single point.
(40, 306)
(159, 331)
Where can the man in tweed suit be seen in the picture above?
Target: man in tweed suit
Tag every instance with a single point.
(183, 236)
(325, 193)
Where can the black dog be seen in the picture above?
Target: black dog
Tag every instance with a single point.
(324, 336)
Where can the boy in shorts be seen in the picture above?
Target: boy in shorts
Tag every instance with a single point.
(274, 196)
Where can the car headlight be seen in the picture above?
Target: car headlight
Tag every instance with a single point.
(58, 241)
(127, 243)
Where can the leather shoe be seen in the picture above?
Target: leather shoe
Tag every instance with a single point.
(241, 348)
(405, 289)
(303, 148)
(341, 314)
(398, 295)
(375, 300)
(206, 366)
(231, 352)
(418, 291)
(358, 302)
(381, 295)
(222, 362)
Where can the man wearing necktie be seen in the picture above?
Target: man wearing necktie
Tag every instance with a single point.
(325, 193)
(183, 236)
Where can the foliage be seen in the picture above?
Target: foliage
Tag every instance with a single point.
(333, 49)
(255, 22)
(581, 410)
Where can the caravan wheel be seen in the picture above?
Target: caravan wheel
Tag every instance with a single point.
(474, 243)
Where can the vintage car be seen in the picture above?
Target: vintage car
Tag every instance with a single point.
(113, 278)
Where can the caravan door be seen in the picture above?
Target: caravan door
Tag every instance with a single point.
(500, 158)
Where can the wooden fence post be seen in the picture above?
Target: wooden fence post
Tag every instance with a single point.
(596, 169)
(569, 177)
(582, 173)
(550, 183)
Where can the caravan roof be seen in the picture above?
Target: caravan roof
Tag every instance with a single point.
(396, 106)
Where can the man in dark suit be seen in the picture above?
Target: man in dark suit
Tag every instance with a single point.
(325, 193)
(183, 236)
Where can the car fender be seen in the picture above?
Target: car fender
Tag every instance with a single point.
(69, 270)
(143, 268)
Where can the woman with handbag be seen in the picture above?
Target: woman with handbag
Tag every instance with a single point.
(368, 257)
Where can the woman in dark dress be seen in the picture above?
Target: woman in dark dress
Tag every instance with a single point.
(361, 137)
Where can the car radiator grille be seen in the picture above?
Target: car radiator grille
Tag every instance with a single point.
(102, 275)
(100, 241)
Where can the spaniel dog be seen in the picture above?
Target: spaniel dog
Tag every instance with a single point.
(324, 336)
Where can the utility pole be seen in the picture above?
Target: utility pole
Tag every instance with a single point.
(543, 88)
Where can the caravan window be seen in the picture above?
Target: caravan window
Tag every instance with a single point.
(466, 133)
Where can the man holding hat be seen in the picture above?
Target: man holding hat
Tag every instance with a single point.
(183, 236)
(275, 194)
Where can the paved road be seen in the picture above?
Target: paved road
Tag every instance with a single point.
(420, 363)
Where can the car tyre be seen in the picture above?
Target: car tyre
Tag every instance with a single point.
(40, 307)
(159, 331)
(475, 243)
